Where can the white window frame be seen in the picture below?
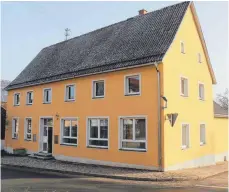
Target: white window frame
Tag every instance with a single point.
(62, 129)
(94, 82)
(66, 92)
(13, 128)
(98, 139)
(120, 137)
(200, 98)
(182, 47)
(185, 146)
(126, 85)
(203, 142)
(183, 94)
(27, 97)
(44, 101)
(17, 104)
(25, 129)
(199, 58)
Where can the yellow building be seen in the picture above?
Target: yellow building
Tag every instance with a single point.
(137, 93)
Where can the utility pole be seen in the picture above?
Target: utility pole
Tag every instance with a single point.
(67, 33)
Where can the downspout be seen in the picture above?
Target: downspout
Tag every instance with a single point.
(159, 117)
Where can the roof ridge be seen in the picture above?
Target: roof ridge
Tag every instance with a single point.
(61, 42)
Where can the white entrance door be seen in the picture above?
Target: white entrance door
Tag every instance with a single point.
(46, 135)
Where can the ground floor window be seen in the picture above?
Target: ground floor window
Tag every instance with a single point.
(202, 134)
(98, 132)
(133, 133)
(185, 136)
(15, 128)
(69, 129)
(28, 129)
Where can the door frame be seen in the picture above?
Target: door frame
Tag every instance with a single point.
(40, 148)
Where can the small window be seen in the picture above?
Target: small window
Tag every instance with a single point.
(15, 128)
(70, 93)
(98, 89)
(199, 58)
(17, 99)
(202, 134)
(98, 132)
(185, 136)
(184, 86)
(201, 91)
(132, 85)
(182, 47)
(29, 98)
(69, 133)
(28, 129)
(47, 95)
(133, 133)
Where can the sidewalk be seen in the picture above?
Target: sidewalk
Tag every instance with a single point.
(110, 172)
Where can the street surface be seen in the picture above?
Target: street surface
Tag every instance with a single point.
(26, 181)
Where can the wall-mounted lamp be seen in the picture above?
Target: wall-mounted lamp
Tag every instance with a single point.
(164, 98)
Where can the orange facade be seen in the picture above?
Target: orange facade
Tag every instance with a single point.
(113, 105)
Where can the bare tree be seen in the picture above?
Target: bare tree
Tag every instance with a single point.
(223, 99)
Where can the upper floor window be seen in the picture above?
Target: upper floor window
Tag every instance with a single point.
(15, 127)
(70, 93)
(133, 133)
(98, 89)
(182, 48)
(29, 98)
(69, 131)
(17, 99)
(47, 95)
(199, 58)
(201, 91)
(98, 132)
(185, 136)
(28, 129)
(132, 85)
(184, 86)
(202, 134)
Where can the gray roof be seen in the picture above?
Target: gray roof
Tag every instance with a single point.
(135, 41)
(220, 111)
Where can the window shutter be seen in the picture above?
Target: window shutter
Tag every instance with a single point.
(183, 135)
(186, 87)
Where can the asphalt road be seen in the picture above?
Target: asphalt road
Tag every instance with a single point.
(24, 181)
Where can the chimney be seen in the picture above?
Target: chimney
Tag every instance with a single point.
(142, 12)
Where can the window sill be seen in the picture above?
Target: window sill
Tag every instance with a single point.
(16, 105)
(14, 138)
(202, 144)
(201, 99)
(184, 147)
(46, 103)
(183, 95)
(70, 100)
(98, 97)
(27, 139)
(29, 103)
(134, 150)
(132, 94)
(71, 145)
(97, 147)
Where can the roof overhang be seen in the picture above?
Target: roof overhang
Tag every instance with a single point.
(192, 7)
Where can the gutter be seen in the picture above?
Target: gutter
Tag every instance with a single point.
(159, 117)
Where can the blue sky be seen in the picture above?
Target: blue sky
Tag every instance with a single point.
(27, 27)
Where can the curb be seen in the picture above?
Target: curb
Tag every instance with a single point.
(70, 174)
